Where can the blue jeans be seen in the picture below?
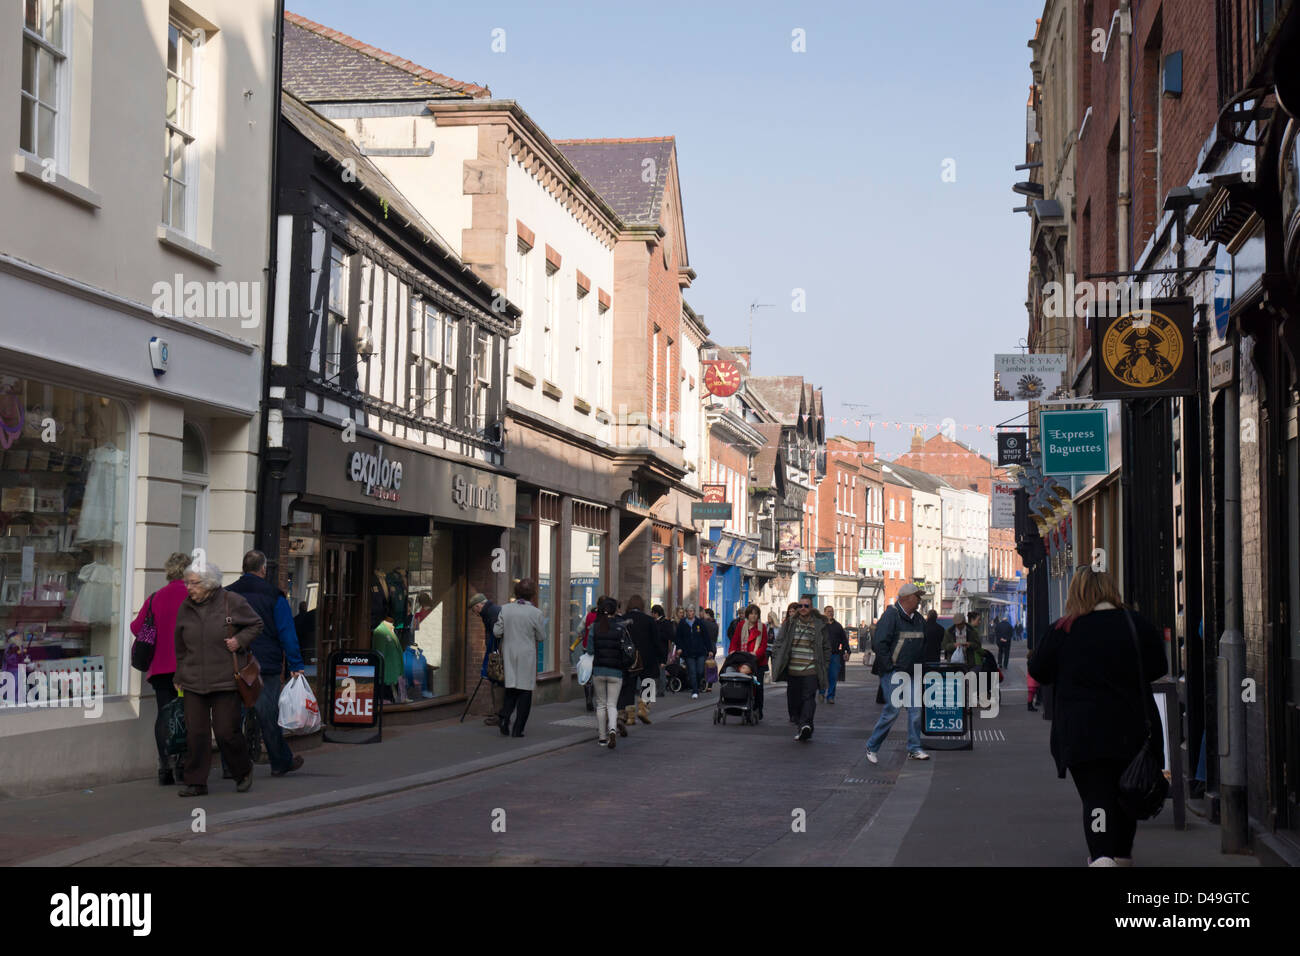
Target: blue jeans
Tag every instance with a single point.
(890, 713)
(268, 718)
(832, 676)
(695, 673)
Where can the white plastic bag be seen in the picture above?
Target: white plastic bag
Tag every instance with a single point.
(299, 712)
(585, 664)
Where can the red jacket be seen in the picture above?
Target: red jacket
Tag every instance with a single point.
(167, 600)
(755, 640)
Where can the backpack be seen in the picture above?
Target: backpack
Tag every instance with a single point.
(631, 656)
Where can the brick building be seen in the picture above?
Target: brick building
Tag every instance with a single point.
(897, 506)
(841, 530)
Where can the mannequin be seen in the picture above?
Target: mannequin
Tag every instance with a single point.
(384, 642)
(378, 599)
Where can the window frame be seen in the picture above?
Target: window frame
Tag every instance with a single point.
(61, 54)
(190, 159)
(336, 321)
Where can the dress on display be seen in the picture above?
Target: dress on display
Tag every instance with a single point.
(94, 604)
(99, 504)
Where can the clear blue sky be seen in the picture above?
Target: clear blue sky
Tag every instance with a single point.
(819, 170)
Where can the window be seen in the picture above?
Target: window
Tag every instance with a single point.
(482, 378)
(521, 292)
(43, 79)
(194, 491)
(338, 311)
(427, 332)
(602, 365)
(551, 329)
(654, 376)
(579, 334)
(179, 167)
(449, 357)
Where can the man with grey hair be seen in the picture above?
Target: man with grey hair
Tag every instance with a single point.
(277, 642)
(900, 643)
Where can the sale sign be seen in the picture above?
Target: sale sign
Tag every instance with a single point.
(353, 696)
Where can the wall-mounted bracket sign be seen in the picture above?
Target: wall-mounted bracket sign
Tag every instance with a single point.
(1075, 442)
(1145, 352)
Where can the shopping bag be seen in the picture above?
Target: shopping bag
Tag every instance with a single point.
(585, 664)
(173, 715)
(299, 712)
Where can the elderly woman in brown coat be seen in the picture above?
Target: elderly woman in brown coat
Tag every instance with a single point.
(211, 625)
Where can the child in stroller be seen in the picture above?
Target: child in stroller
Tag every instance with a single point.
(738, 686)
(675, 674)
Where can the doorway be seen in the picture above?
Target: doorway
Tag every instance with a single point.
(341, 604)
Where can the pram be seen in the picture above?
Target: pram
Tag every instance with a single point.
(675, 675)
(737, 691)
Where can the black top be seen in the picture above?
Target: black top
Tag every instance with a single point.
(607, 647)
(641, 626)
(839, 640)
(933, 644)
(1098, 713)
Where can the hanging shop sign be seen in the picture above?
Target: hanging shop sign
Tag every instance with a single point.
(721, 378)
(1004, 505)
(1029, 378)
(354, 713)
(824, 562)
(714, 494)
(1075, 442)
(1013, 448)
(1145, 352)
(788, 535)
(710, 511)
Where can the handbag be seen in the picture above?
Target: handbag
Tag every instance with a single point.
(496, 668)
(144, 646)
(248, 679)
(1142, 786)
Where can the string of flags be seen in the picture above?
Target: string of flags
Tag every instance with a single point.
(920, 426)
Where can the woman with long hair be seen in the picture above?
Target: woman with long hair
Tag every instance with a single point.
(607, 669)
(1101, 658)
(750, 635)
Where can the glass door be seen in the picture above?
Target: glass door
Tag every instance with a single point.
(340, 597)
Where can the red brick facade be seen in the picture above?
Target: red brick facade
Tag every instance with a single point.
(841, 503)
(898, 535)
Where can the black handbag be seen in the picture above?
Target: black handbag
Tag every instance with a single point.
(1142, 786)
(144, 646)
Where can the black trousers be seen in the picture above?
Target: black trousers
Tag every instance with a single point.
(1109, 832)
(801, 698)
(218, 713)
(520, 703)
(1004, 655)
(164, 693)
(761, 674)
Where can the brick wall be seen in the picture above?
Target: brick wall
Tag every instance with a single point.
(664, 299)
(1253, 613)
(898, 535)
(842, 469)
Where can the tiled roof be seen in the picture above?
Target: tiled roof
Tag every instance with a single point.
(919, 479)
(783, 394)
(324, 65)
(615, 169)
(766, 457)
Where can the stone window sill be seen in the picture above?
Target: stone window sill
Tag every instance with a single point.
(187, 247)
(580, 405)
(551, 390)
(523, 376)
(31, 170)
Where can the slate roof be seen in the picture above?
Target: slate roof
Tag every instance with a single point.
(614, 167)
(919, 479)
(766, 458)
(324, 65)
(783, 394)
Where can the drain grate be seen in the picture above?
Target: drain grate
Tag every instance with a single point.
(876, 780)
(989, 736)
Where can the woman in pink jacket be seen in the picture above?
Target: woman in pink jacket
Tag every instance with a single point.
(166, 601)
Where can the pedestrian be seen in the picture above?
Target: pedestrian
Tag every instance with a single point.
(275, 649)
(958, 641)
(693, 642)
(164, 604)
(1002, 631)
(750, 635)
(801, 657)
(664, 632)
(607, 668)
(1020, 631)
(1101, 658)
(899, 641)
(488, 614)
(1031, 686)
(973, 622)
(581, 645)
(839, 652)
(934, 633)
(211, 625)
(641, 628)
(521, 627)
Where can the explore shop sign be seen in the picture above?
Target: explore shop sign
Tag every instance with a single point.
(382, 477)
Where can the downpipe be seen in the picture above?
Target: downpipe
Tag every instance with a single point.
(1234, 820)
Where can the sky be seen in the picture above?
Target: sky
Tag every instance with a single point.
(867, 177)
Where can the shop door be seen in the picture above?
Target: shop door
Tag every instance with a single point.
(341, 599)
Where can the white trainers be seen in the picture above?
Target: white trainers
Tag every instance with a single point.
(1103, 861)
(918, 755)
(871, 757)
(695, 696)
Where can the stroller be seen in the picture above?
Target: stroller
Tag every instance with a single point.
(675, 677)
(737, 691)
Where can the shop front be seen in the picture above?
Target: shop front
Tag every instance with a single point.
(379, 548)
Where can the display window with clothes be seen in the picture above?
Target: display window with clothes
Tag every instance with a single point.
(64, 483)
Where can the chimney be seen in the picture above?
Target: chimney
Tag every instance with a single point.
(917, 440)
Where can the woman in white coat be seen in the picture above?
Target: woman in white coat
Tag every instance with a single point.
(521, 628)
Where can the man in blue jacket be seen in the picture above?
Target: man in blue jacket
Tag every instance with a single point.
(899, 643)
(693, 640)
(277, 642)
(489, 612)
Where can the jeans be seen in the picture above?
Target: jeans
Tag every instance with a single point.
(801, 698)
(606, 690)
(268, 718)
(695, 673)
(1098, 784)
(832, 676)
(890, 683)
(164, 693)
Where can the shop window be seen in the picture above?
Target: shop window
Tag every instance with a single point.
(548, 547)
(586, 566)
(302, 582)
(64, 491)
(414, 595)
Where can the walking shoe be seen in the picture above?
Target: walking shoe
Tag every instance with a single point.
(504, 726)
(193, 790)
(871, 757)
(1033, 709)
(516, 733)
(695, 696)
(296, 765)
(246, 784)
(602, 741)
(917, 755)
(1103, 861)
(805, 732)
(830, 700)
(489, 721)
(613, 740)
(622, 729)
(166, 778)
(643, 718)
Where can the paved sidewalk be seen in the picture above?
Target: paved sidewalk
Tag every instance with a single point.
(63, 828)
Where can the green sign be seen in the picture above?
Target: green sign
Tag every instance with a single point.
(710, 511)
(1075, 442)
